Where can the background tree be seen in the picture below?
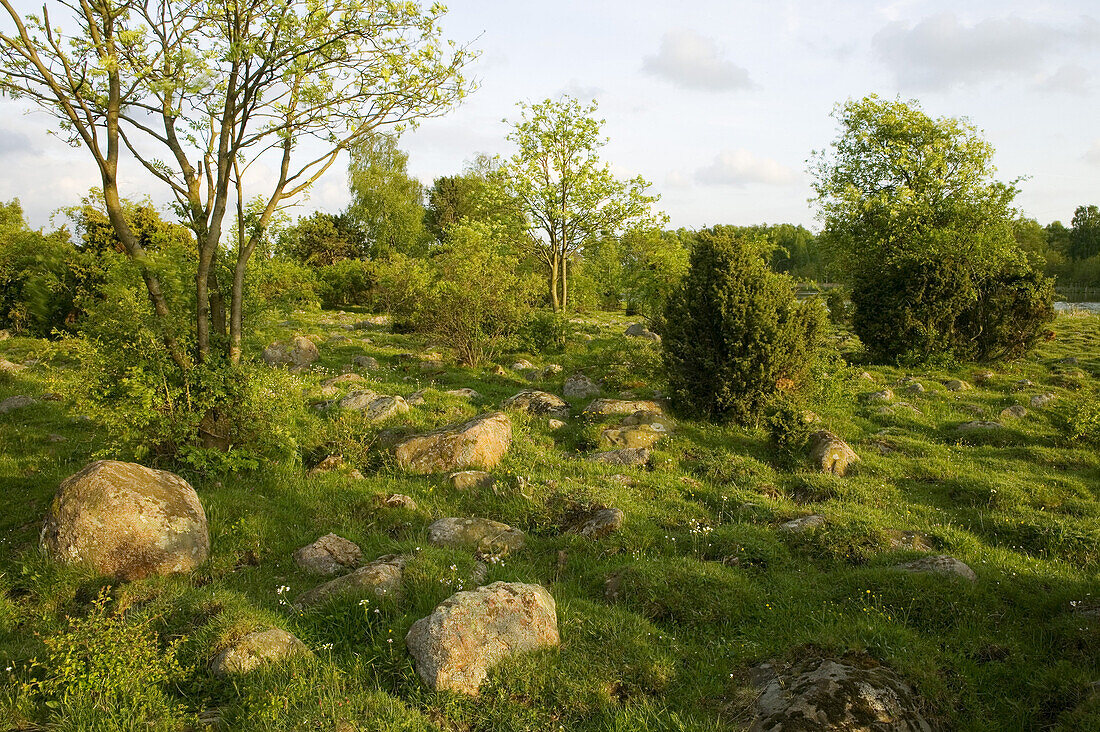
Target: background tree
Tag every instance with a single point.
(478, 194)
(911, 201)
(1084, 236)
(322, 239)
(198, 91)
(387, 205)
(567, 194)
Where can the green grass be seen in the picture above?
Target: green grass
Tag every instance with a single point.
(708, 585)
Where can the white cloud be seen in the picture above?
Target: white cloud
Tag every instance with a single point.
(693, 61)
(678, 180)
(1069, 78)
(740, 167)
(941, 52)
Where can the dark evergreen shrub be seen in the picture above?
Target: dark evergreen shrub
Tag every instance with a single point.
(733, 332)
(1010, 315)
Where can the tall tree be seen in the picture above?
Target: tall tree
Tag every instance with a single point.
(1084, 236)
(569, 196)
(387, 205)
(200, 91)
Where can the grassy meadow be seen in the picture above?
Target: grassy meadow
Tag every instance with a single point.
(709, 586)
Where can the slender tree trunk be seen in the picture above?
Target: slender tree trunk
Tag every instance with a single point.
(564, 284)
(554, 283)
(217, 304)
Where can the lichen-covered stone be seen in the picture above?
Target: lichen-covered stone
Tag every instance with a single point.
(613, 407)
(580, 386)
(480, 535)
(941, 564)
(465, 480)
(478, 443)
(299, 352)
(126, 521)
(1016, 411)
(831, 454)
(470, 632)
(625, 456)
(956, 385)
(381, 578)
(374, 407)
(257, 649)
(329, 555)
(597, 523)
(804, 523)
(640, 435)
(15, 402)
(537, 402)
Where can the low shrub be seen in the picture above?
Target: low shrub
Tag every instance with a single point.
(346, 283)
(545, 331)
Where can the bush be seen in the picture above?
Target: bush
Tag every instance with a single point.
(916, 309)
(402, 288)
(788, 428)
(734, 334)
(345, 283)
(545, 332)
(281, 283)
(837, 301)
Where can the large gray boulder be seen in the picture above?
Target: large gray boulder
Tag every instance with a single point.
(301, 351)
(330, 554)
(472, 631)
(537, 402)
(478, 443)
(828, 694)
(127, 521)
(256, 649)
(481, 535)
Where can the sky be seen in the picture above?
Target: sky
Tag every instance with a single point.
(720, 103)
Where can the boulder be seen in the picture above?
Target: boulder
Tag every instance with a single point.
(596, 523)
(365, 362)
(375, 407)
(331, 554)
(537, 402)
(8, 367)
(1041, 400)
(472, 631)
(831, 454)
(257, 649)
(642, 435)
(580, 386)
(614, 407)
(479, 535)
(299, 352)
(1016, 411)
(956, 385)
(478, 443)
(805, 523)
(941, 564)
(16, 402)
(828, 694)
(978, 425)
(126, 521)
(464, 393)
(625, 456)
(465, 480)
(380, 578)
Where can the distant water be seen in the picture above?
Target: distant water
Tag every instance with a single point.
(1066, 307)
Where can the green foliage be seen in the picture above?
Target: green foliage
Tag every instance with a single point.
(1084, 237)
(107, 671)
(479, 296)
(387, 205)
(346, 283)
(402, 287)
(918, 227)
(733, 331)
(788, 428)
(478, 194)
(545, 332)
(838, 303)
(1081, 419)
(687, 591)
(322, 239)
(97, 234)
(282, 284)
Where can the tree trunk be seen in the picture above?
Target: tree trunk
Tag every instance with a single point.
(554, 283)
(217, 304)
(564, 284)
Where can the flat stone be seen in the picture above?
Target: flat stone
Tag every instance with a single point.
(464, 392)
(805, 523)
(375, 407)
(381, 578)
(259, 648)
(643, 435)
(465, 480)
(470, 632)
(941, 564)
(330, 554)
(537, 402)
(16, 402)
(625, 456)
(979, 425)
(478, 443)
(597, 523)
(613, 407)
(482, 536)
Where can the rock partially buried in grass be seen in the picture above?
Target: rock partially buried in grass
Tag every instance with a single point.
(299, 352)
(335, 464)
(480, 535)
(1016, 411)
(537, 402)
(830, 454)
(479, 443)
(642, 435)
(464, 392)
(597, 523)
(16, 402)
(330, 554)
(626, 456)
(580, 386)
(981, 378)
(914, 540)
(127, 521)
(941, 564)
(805, 523)
(465, 480)
(375, 407)
(881, 396)
(613, 407)
(257, 649)
(956, 385)
(470, 632)
(1041, 400)
(366, 362)
(399, 500)
(978, 425)
(8, 367)
(826, 694)
(380, 578)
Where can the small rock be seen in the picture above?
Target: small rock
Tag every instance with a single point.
(640, 331)
(335, 463)
(52, 396)
(498, 370)
(7, 366)
(16, 402)
(1023, 384)
(879, 397)
(580, 386)
(625, 456)
(480, 535)
(956, 385)
(522, 365)
(258, 649)
(914, 388)
(472, 631)
(596, 523)
(977, 425)
(381, 578)
(537, 402)
(338, 339)
(1068, 361)
(1041, 400)
(465, 393)
(366, 362)
(329, 555)
(805, 523)
(914, 540)
(831, 454)
(399, 500)
(549, 370)
(555, 424)
(1016, 411)
(864, 376)
(941, 564)
(470, 479)
(982, 378)
(614, 407)
(416, 398)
